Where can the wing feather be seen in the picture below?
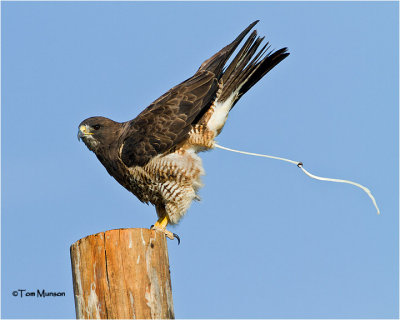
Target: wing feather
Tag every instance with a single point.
(168, 120)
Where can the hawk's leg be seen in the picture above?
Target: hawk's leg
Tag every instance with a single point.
(201, 136)
(161, 225)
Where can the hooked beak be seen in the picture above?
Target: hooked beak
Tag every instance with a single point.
(83, 131)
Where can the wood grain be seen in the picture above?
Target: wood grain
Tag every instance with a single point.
(122, 274)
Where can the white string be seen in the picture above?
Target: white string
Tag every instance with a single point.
(300, 165)
(257, 154)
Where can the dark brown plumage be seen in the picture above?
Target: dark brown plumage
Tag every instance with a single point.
(155, 155)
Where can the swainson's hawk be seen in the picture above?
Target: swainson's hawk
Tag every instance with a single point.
(154, 156)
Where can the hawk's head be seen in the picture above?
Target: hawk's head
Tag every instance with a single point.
(97, 132)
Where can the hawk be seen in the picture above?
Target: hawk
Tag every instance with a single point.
(155, 155)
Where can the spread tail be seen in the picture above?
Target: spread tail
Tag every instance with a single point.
(248, 66)
(217, 62)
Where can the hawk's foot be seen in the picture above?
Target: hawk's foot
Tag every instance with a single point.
(161, 225)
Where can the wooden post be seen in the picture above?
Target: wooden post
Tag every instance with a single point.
(122, 274)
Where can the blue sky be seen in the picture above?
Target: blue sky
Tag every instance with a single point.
(266, 241)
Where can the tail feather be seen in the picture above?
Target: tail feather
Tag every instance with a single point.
(217, 61)
(260, 69)
(239, 68)
(239, 57)
(248, 67)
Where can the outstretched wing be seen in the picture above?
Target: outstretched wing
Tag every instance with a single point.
(168, 120)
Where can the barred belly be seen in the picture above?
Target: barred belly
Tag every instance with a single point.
(170, 182)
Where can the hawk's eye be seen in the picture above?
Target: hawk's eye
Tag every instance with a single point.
(96, 127)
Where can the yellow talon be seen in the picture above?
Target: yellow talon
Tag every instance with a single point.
(161, 225)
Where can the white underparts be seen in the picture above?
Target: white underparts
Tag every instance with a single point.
(220, 114)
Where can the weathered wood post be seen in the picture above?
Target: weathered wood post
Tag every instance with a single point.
(122, 274)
